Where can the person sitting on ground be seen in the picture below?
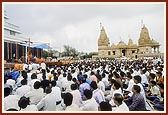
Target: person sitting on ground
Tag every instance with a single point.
(44, 83)
(33, 80)
(25, 106)
(97, 93)
(130, 83)
(75, 92)
(68, 97)
(100, 84)
(90, 103)
(136, 102)
(47, 103)
(7, 85)
(154, 91)
(159, 103)
(36, 94)
(83, 86)
(56, 92)
(117, 89)
(137, 80)
(21, 91)
(10, 101)
(105, 106)
(160, 78)
(93, 77)
(119, 102)
(152, 77)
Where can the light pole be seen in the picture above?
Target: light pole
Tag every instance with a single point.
(27, 50)
(48, 49)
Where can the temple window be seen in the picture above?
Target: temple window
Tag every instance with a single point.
(113, 52)
(133, 51)
(109, 53)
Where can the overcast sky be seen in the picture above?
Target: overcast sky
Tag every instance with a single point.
(78, 25)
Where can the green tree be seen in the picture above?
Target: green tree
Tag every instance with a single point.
(46, 54)
(69, 51)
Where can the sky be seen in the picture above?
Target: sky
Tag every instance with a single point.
(78, 24)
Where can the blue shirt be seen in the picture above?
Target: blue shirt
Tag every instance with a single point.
(82, 87)
(137, 103)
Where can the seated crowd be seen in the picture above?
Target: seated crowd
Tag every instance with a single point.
(115, 85)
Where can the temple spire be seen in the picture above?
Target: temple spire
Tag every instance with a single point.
(103, 39)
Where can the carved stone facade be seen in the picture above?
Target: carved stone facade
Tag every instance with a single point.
(146, 46)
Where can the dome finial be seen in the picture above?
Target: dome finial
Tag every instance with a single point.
(142, 24)
(101, 26)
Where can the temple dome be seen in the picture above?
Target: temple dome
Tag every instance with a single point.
(113, 45)
(121, 44)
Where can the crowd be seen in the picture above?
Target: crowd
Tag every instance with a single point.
(117, 85)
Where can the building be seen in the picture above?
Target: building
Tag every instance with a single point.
(146, 47)
(15, 46)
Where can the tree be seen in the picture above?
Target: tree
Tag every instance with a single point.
(70, 51)
(45, 54)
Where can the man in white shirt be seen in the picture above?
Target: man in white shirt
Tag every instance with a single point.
(120, 104)
(154, 91)
(33, 80)
(10, 101)
(137, 80)
(105, 80)
(43, 65)
(25, 66)
(90, 103)
(56, 92)
(76, 94)
(117, 89)
(130, 83)
(136, 72)
(68, 97)
(97, 93)
(11, 82)
(36, 94)
(21, 91)
(47, 103)
(24, 105)
(101, 85)
(63, 82)
(144, 80)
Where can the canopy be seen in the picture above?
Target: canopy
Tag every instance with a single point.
(41, 46)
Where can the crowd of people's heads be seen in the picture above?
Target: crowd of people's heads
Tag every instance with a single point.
(117, 73)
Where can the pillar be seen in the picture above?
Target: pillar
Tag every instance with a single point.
(23, 51)
(158, 49)
(8, 50)
(37, 55)
(154, 49)
(11, 50)
(16, 51)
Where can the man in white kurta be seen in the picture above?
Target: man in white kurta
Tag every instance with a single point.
(90, 103)
(120, 104)
(47, 103)
(76, 94)
(21, 91)
(36, 94)
(11, 102)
